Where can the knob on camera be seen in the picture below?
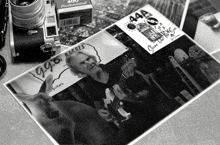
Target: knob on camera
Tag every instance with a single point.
(33, 25)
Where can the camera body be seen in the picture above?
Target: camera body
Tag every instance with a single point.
(3, 20)
(40, 42)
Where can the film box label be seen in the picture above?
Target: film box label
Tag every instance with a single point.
(73, 12)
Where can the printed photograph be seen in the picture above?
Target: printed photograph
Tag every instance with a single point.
(115, 100)
(112, 88)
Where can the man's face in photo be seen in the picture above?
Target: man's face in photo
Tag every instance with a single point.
(86, 64)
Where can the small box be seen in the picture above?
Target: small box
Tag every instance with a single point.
(73, 12)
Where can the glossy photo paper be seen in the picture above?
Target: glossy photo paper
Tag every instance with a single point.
(118, 84)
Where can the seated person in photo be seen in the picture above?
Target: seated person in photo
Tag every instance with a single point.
(132, 87)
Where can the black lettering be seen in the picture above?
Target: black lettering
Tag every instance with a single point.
(76, 49)
(56, 60)
(66, 54)
(138, 16)
(83, 47)
(151, 48)
(48, 65)
(40, 71)
(132, 19)
(145, 13)
(57, 86)
(69, 52)
(152, 21)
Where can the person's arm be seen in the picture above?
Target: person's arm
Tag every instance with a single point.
(139, 86)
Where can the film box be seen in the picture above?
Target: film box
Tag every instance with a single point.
(73, 12)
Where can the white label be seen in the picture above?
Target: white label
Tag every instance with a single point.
(150, 29)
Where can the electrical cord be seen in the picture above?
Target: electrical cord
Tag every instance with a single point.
(3, 65)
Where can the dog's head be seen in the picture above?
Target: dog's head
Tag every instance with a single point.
(41, 105)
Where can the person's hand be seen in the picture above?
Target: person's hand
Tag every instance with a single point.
(105, 114)
(142, 93)
(119, 92)
(128, 68)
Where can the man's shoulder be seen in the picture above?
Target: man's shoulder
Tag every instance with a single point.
(112, 67)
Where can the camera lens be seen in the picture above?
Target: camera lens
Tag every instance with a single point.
(27, 14)
(22, 2)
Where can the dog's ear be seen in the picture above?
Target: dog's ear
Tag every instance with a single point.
(47, 85)
(23, 97)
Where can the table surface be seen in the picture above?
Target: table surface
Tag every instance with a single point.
(208, 38)
(197, 124)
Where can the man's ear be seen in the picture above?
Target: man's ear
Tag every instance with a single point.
(47, 85)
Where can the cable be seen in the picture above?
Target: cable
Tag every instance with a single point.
(3, 65)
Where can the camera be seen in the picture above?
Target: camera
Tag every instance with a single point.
(33, 29)
(3, 20)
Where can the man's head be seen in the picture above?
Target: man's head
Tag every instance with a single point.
(82, 64)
